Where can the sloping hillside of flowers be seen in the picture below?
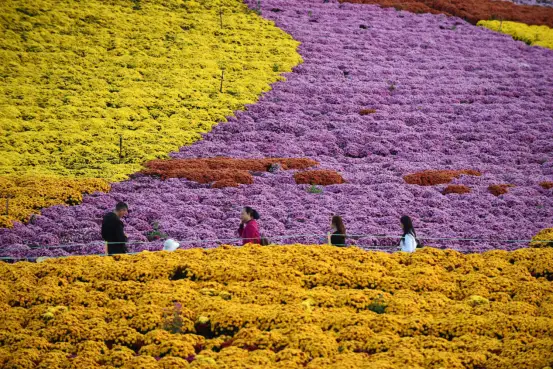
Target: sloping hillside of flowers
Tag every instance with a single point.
(280, 307)
(381, 95)
(90, 90)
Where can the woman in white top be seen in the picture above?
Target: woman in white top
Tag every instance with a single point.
(408, 241)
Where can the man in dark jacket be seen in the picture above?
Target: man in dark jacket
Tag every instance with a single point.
(112, 229)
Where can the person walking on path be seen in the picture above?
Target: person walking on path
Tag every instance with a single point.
(338, 236)
(113, 230)
(249, 230)
(408, 241)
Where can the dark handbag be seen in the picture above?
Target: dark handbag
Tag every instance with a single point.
(264, 241)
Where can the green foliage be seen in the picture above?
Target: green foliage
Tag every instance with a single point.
(156, 234)
(136, 5)
(172, 319)
(378, 305)
(315, 189)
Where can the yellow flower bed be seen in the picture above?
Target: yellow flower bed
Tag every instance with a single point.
(33, 193)
(532, 35)
(280, 307)
(543, 239)
(77, 75)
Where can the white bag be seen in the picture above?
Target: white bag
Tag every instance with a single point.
(170, 245)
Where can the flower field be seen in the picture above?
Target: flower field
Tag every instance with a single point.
(90, 90)
(370, 109)
(381, 95)
(280, 307)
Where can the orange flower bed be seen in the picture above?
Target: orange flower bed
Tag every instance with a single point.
(471, 10)
(499, 189)
(435, 177)
(29, 194)
(319, 177)
(456, 189)
(288, 306)
(222, 172)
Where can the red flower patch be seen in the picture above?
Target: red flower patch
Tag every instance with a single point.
(499, 189)
(435, 177)
(365, 112)
(319, 177)
(546, 184)
(222, 172)
(456, 189)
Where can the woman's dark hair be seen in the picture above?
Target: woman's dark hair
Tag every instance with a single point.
(408, 228)
(252, 212)
(337, 221)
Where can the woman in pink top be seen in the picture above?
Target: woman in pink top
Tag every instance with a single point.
(249, 230)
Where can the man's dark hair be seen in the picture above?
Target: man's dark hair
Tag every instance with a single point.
(121, 205)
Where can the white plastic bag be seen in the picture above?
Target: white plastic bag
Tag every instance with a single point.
(170, 245)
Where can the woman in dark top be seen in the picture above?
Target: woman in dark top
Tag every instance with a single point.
(338, 236)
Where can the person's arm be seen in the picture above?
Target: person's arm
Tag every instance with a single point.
(105, 227)
(120, 233)
(105, 233)
(241, 229)
(329, 238)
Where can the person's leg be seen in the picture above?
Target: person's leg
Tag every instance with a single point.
(116, 248)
